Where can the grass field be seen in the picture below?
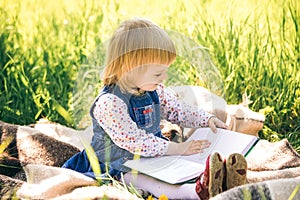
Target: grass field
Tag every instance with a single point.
(253, 44)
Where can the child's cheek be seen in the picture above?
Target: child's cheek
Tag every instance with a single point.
(150, 87)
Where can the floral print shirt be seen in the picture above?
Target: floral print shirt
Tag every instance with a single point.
(112, 114)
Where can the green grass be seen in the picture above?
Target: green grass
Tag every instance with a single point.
(253, 44)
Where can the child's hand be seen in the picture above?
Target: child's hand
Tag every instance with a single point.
(214, 122)
(187, 148)
(195, 146)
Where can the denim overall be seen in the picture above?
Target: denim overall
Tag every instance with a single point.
(143, 109)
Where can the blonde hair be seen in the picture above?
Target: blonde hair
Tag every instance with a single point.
(135, 43)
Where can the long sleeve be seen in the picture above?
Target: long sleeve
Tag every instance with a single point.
(112, 115)
(179, 112)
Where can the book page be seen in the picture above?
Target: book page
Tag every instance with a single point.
(177, 169)
(205, 134)
(171, 169)
(224, 142)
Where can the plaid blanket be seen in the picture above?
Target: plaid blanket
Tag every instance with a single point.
(279, 189)
(273, 167)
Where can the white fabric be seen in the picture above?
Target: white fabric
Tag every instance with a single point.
(157, 188)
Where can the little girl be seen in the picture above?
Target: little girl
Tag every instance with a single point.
(127, 112)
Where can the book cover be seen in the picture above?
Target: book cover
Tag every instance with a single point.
(178, 169)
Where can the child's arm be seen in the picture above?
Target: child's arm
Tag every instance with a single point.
(179, 112)
(187, 148)
(112, 115)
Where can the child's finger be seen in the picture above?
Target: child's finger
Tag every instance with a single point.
(197, 146)
(222, 125)
(213, 127)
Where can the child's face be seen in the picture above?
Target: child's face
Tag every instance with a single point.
(153, 75)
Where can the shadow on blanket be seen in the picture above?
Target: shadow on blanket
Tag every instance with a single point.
(268, 161)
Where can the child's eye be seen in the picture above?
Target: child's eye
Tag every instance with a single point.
(157, 75)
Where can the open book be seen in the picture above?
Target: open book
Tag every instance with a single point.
(179, 169)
